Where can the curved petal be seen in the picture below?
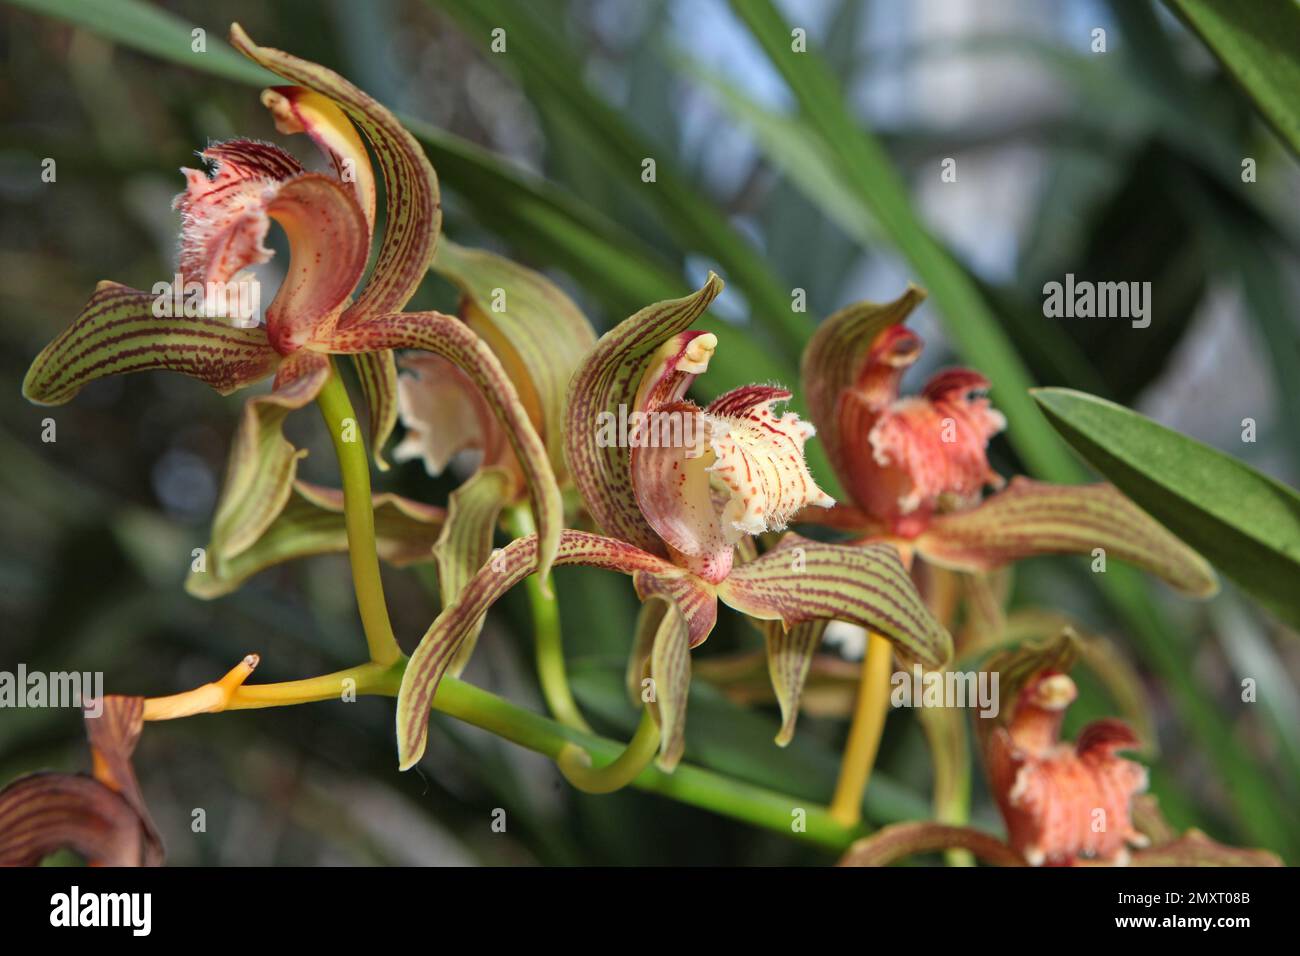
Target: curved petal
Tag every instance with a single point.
(328, 245)
(790, 653)
(536, 330)
(377, 372)
(445, 413)
(412, 210)
(117, 333)
(1032, 518)
(803, 580)
(1194, 848)
(42, 813)
(296, 109)
(466, 543)
(102, 818)
(900, 840)
(662, 655)
(607, 384)
(506, 568)
(262, 464)
(834, 357)
(312, 523)
(455, 341)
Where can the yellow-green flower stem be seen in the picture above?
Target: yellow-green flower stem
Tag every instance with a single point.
(780, 813)
(359, 517)
(864, 733)
(548, 638)
(575, 763)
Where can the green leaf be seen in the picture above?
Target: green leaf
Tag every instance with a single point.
(865, 166)
(1258, 44)
(1245, 523)
(551, 74)
(311, 523)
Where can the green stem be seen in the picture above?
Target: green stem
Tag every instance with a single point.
(803, 820)
(575, 763)
(548, 637)
(359, 516)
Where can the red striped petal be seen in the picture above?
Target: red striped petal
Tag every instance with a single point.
(328, 246)
(412, 210)
(441, 643)
(117, 333)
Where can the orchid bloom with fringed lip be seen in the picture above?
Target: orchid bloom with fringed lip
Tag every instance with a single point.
(1064, 804)
(915, 468)
(329, 220)
(102, 817)
(675, 515)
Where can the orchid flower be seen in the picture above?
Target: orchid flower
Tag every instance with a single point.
(915, 468)
(101, 817)
(330, 222)
(1063, 804)
(675, 513)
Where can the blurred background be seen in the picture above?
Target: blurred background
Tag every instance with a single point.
(1123, 164)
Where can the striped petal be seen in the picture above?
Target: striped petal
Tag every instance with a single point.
(834, 360)
(377, 372)
(456, 342)
(901, 840)
(507, 567)
(803, 580)
(102, 818)
(312, 523)
(1194, 848)
(262, 463)
(466, 543)
(790, 653)
(117, 333)
(412, 210)
(607, 384)
(536, 330)
(1032, 518)
(662, 655)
